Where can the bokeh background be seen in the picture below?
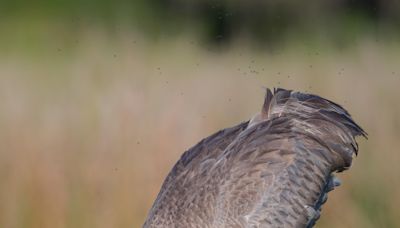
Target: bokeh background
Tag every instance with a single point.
(98, 99)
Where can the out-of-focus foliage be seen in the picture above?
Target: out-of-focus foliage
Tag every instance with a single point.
(98, 99)
(265, 22)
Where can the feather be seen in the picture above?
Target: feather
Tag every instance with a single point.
(272, 171)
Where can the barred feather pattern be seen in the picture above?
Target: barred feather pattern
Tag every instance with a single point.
(270, 171)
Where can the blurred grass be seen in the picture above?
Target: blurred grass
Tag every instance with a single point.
(91, 123)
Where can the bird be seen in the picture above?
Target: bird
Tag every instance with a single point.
(274, 170)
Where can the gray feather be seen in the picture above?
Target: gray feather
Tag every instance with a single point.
(274, 171)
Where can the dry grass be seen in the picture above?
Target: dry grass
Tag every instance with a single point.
(88, 136)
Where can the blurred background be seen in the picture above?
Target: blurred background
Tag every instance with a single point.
(98, 99)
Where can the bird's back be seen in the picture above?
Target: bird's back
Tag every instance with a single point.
(270, 172)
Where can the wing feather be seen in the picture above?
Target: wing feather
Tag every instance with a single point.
(268, 173)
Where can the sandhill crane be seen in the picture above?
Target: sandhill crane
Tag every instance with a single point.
(272, 171)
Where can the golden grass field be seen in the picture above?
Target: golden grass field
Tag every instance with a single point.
(88, 132)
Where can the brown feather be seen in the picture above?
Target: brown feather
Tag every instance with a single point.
(267, 172)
